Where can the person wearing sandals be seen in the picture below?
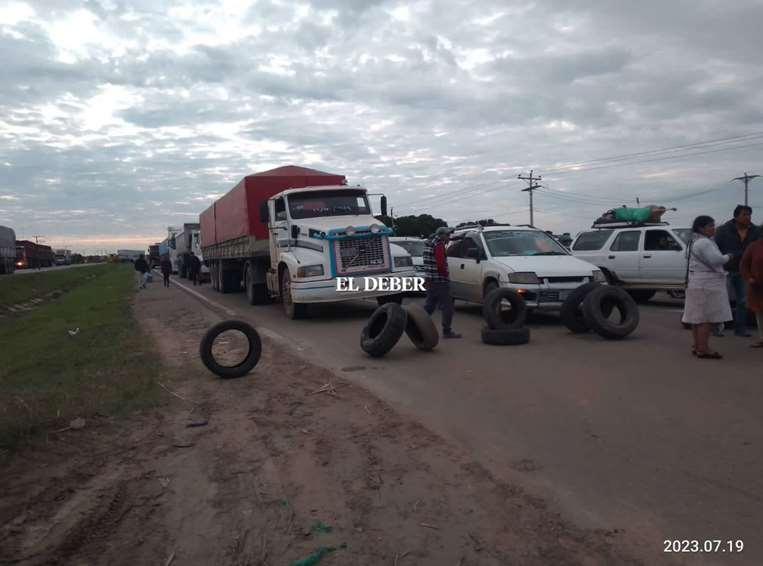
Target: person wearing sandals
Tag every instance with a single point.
(707, 299)
(751, 268)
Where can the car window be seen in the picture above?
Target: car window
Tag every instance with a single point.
(471, 243)
(503, 243)
(413, 247)
(683, 233)
(591, 241)
(454, 249)
(660, 241)
(626, 241)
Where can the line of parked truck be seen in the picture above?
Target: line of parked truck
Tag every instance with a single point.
(23, 254)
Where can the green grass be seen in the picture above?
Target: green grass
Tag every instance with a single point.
(22, 287)
(48, 377)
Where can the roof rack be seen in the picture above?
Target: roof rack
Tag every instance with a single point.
(482, 226)
(608, 225)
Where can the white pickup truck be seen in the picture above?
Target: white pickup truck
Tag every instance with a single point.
(643, 258)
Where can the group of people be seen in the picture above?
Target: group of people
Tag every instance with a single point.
(724, 265)
(143, 270)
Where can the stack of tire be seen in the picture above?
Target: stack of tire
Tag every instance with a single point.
(387, 324)
(590, 306)
(504, 327)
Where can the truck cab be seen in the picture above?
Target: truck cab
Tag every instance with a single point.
(318, 234)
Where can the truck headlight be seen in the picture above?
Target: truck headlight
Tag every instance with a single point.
(598, 276)
(310, 271)
(350, 230)
(403, 261)
(375, 228)
(524, 278)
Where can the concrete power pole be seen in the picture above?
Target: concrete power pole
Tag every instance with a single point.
(746, 179)
(531, 186)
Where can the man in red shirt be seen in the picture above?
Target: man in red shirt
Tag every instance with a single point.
(438, 280)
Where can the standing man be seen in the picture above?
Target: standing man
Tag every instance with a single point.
(166, 266)
(438, 281)
(733, 238)
(141, 268)
(194, 267)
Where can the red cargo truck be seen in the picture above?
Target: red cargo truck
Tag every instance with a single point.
(290, 232)
(32, 255)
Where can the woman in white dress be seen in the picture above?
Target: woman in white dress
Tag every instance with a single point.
(707, 300)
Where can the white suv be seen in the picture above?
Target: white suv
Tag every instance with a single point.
(522, 258)
(643, 258)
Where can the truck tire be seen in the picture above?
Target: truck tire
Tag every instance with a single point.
(390, 299)
(383, 329)
(601, 302)
(293, 311)
(252, 357)
(213, 275)
(505, 336)
(642, 295)
(496, 317)
(256, 293)
(571, 313)
(420, 328)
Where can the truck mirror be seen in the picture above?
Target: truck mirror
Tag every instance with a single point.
(294, 232)
(384, 205)
(264, 212)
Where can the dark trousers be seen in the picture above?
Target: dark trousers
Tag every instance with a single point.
(194, 276)
(438, 295)
(738, 293)
(166, 279)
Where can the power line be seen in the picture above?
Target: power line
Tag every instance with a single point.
(746, 179)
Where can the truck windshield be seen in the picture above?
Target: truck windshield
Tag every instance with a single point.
(313, 204)
(521, 242)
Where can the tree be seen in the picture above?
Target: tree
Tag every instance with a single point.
(417, 226)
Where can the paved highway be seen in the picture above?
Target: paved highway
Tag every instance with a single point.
(634, 435)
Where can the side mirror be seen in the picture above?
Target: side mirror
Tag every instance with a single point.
(294, 232)
(384, 205)
(264, 216)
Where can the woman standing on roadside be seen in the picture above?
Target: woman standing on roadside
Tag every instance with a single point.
(707, 300)
(751, 268)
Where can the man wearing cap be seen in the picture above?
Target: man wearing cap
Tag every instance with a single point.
(438, 280)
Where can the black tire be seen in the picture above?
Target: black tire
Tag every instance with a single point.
(571, 313)
(601, 302)
(383, 329)
(213, 276)
(505, 336)
(292, 310)
(420, 328)
(252, 357)
(642, 295)
(497, 318)
(256, 293)
(398, 299)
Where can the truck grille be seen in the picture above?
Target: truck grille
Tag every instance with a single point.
(361, 255)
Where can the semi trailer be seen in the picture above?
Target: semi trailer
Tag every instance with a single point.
(7, 250)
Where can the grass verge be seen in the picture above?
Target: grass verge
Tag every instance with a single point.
(48, 377)
(23, 287)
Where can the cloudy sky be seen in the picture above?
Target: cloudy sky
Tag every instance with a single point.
(119, 118)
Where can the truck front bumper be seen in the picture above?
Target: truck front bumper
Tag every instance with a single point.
(325, 291)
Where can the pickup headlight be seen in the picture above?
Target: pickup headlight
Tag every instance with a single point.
(598, 276)
(310, 271)
(403, 261)
(524, 278)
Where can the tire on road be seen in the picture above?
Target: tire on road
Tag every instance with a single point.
(642, 295)
(497, 318)
(420, 328)
(383, 329)
(601, 302)
(505, 336)
(251, 359)
(571, 313)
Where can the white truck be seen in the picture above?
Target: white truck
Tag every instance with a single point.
(291, 232)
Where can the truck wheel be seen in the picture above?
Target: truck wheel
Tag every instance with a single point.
(256, 293)
(239, 370)
(293, 310)
(571, 313)
(390, 299)
(505, 336)
(383, 329)
(420, 328)
(496, 317)
(601, 302)
(642, 295)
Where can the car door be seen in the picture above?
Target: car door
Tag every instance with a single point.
(455, 260)
(662, 259)
(470, 268)
(623, 257)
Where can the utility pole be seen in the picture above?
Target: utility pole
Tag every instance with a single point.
(531, 186)
(37, 238)
(746, 179)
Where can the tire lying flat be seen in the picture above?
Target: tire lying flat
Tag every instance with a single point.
(383, 329)
(571, 313)
(420, 328)
(505, 337)
(498, 319)
(252, 357)
(601, 302)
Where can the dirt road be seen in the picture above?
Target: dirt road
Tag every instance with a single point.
(264, 470)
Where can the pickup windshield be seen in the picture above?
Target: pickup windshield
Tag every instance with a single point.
(314, 204)
(413, 247)
(521, 242)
